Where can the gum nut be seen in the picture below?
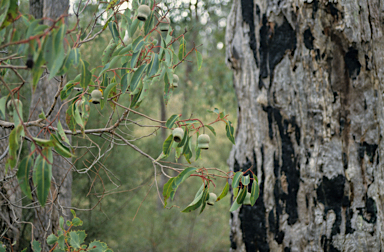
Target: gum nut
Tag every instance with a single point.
(178, 134)
(203, 142)
(96, 96)
(175, 80)
(212, 199)
(10, 103)
(143, 12)
(164, 25)
(247, 200)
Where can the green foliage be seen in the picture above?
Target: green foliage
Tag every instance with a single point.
(70, 240)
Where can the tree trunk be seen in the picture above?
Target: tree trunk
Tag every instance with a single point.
(47, 218)
(309, 80)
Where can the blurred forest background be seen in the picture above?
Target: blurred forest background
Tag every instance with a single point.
(156, 228)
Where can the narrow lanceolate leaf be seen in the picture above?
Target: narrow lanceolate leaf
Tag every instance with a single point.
(4, 6)
(115, 33)
(167, 145)
(182, 177)
(133, 28)
(196, 203)
(241, 195)
(185, 137)
(245, 180)
(44, 142)
(137, 77)
(199, 60)
(137, 44)
(86, 75)
(64, 94)
(111, 4)
(171, 121)
(59, 53)
(10, 14)
(3, 101)
(224, 192)
(204, 199)
(14, 138)
(62, 133)
(42, 173)
(211, 129)
(23, 171)
(254, 191)
(234, 206)
(154, 65)
(181, 54)
(167, 189)
(60, 148)
(230, 132)
(108, 90)
(236, 179)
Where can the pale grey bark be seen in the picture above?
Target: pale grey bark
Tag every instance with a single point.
(309, 82)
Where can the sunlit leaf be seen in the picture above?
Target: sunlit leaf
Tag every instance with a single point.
(236, 179)
(254, 191)
(211, 129)
(171, 121)
(167, 145)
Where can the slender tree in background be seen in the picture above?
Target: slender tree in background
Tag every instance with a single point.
(309, 81)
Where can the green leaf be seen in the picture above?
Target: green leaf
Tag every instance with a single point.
(72, 59)
(62, 133)
(37, 71)
(236, 179)
(60, 148)
(241, 195)
(3, 101)
(51, 239)
(171, 121)
(234, 206)
(97, 246)
(4, 6)
(36, 246)
(245, 180)
(199, 59)
(108, 90)
(135, 57)
(124, 82)
(211, 129)
(185, 137)
(133, 28)
(59, 54)
(61, 222)
(137, 44)
(167, 189)
(167, 145)
(181, 49)
(25, 167)
(86, 75)
(82, 235)
(64, 94)
(254, 191)
(153, 66)
(167, 87)
(230, 130)
(111, 4)
(115, 33)
(182, 177)
(137, 77)
(76, 116)
(10, 13)
(224, 192)
(61, 242)
(143, 92)
(14, 138)
(149, 23)
(42, 173)
(73, 213)
(108, 52)
(77, 222)
(74, 240)
(204, 199)
(196, 203)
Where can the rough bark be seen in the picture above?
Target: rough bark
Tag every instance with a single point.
(309, 83)
(47, 218)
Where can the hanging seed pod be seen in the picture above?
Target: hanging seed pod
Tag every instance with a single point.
(203, 142)
(212, 199)
(164, 25)
(143, 12)
(247, 200)
(175, 81)
(10, 104)
(178, 134)
(96, 96)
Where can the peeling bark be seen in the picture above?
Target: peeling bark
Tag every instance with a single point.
(308, 77)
